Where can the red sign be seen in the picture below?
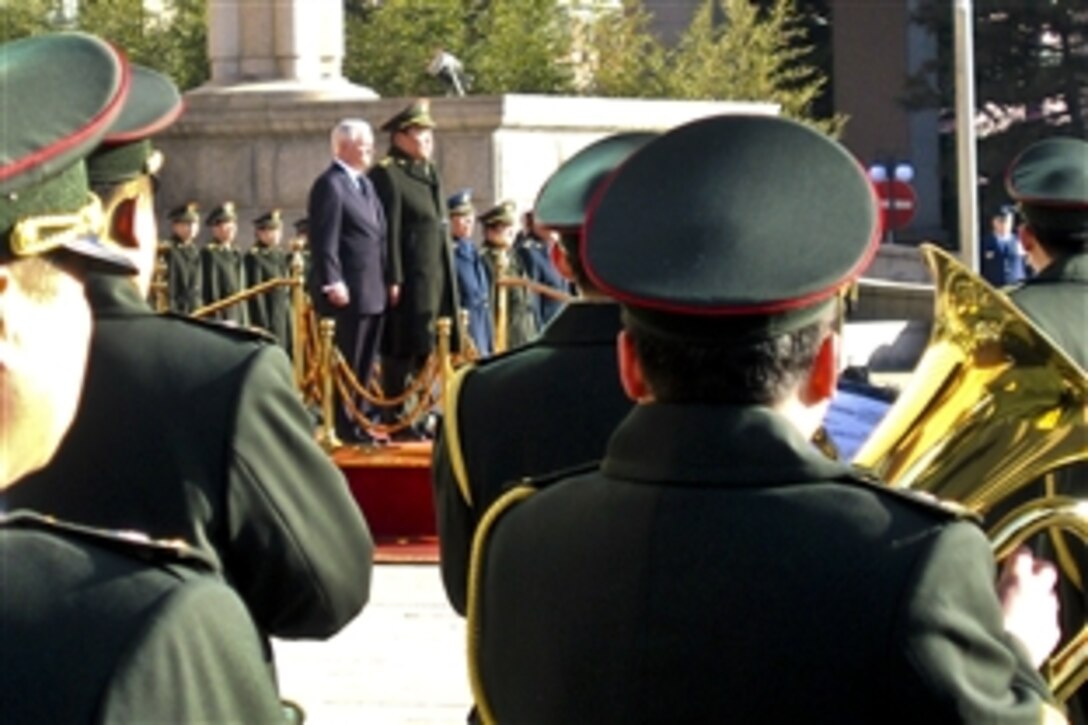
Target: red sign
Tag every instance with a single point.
(897, 202)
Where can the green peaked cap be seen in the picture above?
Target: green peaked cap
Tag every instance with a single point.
(153, 103)
(61, 92)
(732, 226)
(563, 199)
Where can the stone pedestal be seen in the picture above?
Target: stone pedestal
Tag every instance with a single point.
(262, 145)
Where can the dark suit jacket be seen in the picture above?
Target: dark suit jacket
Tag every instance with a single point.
(420, 254)
(717, 568)
(99, 628)
(194, 431)
(549, 405)
(347, 242)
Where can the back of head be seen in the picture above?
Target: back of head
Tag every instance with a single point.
(725, 292)
(1049, 182)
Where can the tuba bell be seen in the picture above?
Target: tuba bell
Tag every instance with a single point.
(992, 408)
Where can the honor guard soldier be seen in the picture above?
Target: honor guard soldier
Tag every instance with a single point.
(473, 276)
(193, 430)
(502, 262)
(266, 261)
(97, 626)
(221, 263)
(1049, 181)
(715, 567)
(422, 283)
(183, 270)
(546, 406)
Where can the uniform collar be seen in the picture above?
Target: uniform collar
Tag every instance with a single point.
(720, 446)
(110, 295)
(583, 323)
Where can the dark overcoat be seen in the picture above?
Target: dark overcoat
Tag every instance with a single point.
(420, 255)
(1056, 299)
(184, 277)
(224, 275)
(549, 405)
(271, 310)
(717, 568)
(101, 628)
(193, 430)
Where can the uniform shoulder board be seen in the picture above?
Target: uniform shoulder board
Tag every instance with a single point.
(547, 479)
(929, 502)
(131, 543)
(246, 333)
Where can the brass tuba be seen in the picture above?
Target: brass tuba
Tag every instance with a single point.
(993, 406)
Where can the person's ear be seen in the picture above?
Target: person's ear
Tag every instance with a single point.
(823, 377)
(123, 224)
(558, 255)
(631, 376)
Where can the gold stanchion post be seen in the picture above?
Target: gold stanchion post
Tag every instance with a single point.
(160, 285)
(502, 267)
(298, 322)
(326, 433)
(445, 364)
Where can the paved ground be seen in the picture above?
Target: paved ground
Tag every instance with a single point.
(401, 661)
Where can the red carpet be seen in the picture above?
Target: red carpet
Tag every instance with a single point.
(392, 486)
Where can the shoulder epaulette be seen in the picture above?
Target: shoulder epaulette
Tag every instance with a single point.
(246, 333)
(547, 479)
(385, 161)
(921, 499)
(133, 543)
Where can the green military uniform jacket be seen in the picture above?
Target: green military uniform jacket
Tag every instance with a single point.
(184, 277)
(420, 257)
(271, 310)
(194, 431)
(549, 405)
(223, 276)
(99, 628)
(717, 568)
(1057, 300)
(521, 319)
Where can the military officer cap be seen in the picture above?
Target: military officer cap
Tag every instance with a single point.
(302, 226)
(460, 203)
(269, 220)
(225, 212)
(563, 199)
(61, 93)
(416, 114)
(732, 226)
(1049, 180)
(188, 212)
(153, 103)
(502, 214)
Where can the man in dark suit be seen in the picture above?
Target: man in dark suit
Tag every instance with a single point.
(563, 385)
(192, 430)
(716, 567)
(347, 236)
(97, 626)
(422, 283)
(1049, 180)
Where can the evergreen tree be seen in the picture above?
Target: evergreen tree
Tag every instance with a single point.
(521, 46)
(627, 60)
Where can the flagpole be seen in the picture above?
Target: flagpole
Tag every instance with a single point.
(966, 142)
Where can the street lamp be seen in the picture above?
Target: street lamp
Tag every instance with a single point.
(892, 180)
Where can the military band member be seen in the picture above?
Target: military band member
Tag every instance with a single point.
(265, 261)
(183, 270)
(97, 626)
(563, 385)
(1049, 181)
(715, 567)
(193, 430)
(221, 263)
(420, 277)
